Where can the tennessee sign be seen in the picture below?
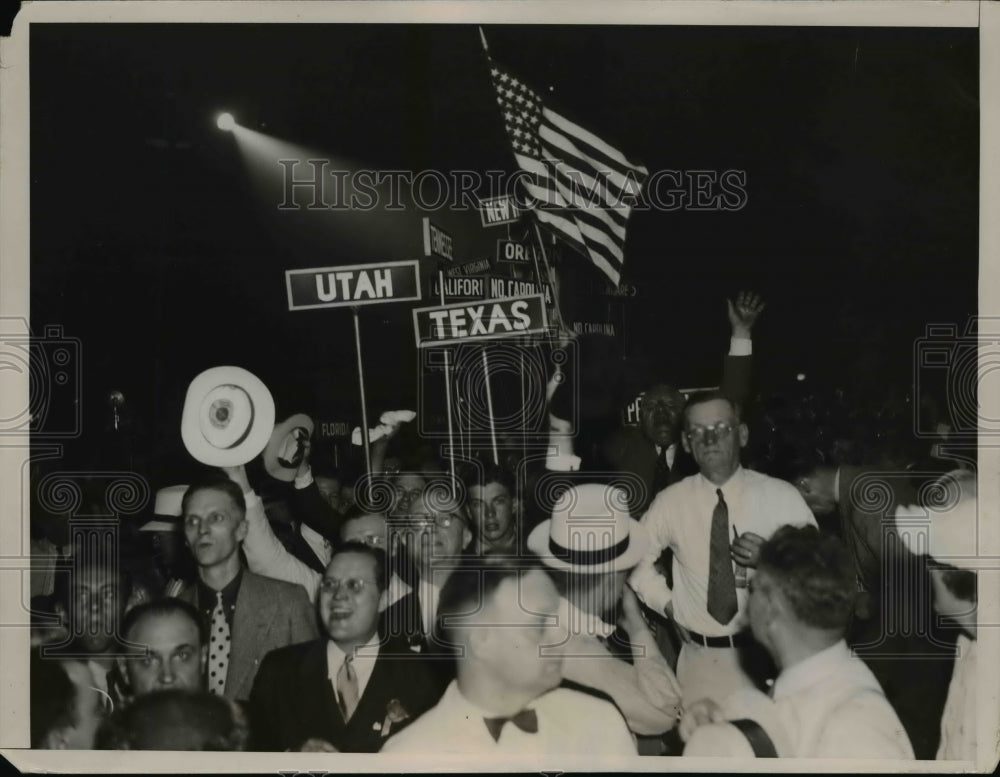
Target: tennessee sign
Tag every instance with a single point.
(486, 320)
(512, 252)
(360, 284)
(498, 210)
(437, 242)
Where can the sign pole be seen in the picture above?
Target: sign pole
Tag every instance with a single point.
(524, 421)
(447, 394)
(489, 406)
(364, 404)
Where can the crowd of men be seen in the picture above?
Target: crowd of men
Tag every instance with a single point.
(691, 606)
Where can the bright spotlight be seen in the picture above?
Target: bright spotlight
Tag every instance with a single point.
(801, 376)
(225, 122)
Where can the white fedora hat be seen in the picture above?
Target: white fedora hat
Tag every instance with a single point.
(228, 417)
(590, 532)
(283, 452)
(166, 510)
(947, 530)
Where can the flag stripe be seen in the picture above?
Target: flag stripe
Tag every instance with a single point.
(579, 186)
(610, 155)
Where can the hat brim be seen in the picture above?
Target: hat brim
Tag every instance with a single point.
(261, 426)
(638, 547)
(158, 524)
(274, 467)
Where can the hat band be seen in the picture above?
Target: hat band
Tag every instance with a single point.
(586, 558)
(246, 432)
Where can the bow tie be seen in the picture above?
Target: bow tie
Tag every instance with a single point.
(526, 720)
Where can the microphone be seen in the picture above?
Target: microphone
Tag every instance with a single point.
(116, 399)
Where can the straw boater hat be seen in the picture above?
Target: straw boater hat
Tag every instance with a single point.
(228, 417)
(284, 450)
(948, 530)
(166, 510)
(590, 532)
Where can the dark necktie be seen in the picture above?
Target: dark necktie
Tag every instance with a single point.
(661, 476)
(721, 579)
(526, 720)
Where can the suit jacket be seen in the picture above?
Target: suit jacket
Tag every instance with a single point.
(309, 507)
(402, 622)
(269, 614)
(293, 699)
(865, 510)
(629, 451)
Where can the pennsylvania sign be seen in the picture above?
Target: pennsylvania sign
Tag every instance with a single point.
(360, 284)
(486, 320)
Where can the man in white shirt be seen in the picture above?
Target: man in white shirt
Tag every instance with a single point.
(505, 698)
(714, 522)
(828, 702)
(589, 545)
(952, 546)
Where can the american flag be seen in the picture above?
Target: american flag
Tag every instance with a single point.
(578, 185)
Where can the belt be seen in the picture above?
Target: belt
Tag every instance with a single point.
(736, 640)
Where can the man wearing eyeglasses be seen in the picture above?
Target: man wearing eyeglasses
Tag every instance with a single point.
(714, 522)
(651, 451)
(347, 691)
(434, 535)
(248, 615)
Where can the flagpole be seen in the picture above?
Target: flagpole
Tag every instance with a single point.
(447, 392)
(486, 46)
(364, 404)
(551, 278)
(489, 406)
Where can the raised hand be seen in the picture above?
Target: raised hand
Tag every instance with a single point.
(239, 476)
(744, 313)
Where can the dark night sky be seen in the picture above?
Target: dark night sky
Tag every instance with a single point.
(860, 148)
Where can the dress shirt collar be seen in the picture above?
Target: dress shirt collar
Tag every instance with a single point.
(811, 671)
(671, 453)
(731, 489)
(464, 708)
(206, 595)
(429, 594)
(364, 661)
(591, 624)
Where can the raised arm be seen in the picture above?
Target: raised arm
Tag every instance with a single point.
(265, 553)
(736, 367)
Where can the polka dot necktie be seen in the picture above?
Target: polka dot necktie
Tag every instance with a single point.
(218, 648)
